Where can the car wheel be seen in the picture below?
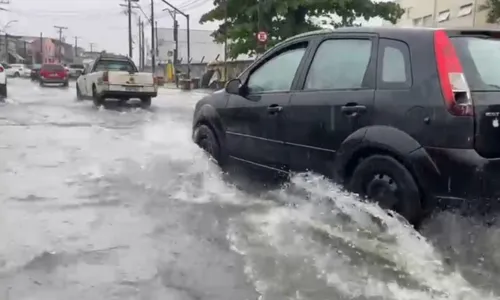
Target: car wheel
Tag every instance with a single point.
(41, 83)
(385, 180)
(205, 138)
(3, 90)
(98, 101)
(66, 84)
(17, 74)
(79, 96)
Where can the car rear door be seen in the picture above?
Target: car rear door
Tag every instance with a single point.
(254, 120)
(336, 99)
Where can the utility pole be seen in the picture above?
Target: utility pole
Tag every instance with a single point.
(129, 10)
(41, 48)
(76, 46)
(92, 47)
(157, 41)
(153, 54)
(139, 24)
(60, 29)
(188, 35)
(143, 46)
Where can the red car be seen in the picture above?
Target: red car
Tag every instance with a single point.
(53, 74)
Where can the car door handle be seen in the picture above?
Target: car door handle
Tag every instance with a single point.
(274, 108)
(353, 109)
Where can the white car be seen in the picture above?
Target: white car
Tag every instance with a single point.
(18, 70)
(3, 82)
(115, 76)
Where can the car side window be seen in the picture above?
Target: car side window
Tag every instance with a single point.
(277, 74)
(89, 68)
(339, 64)
(394, 65)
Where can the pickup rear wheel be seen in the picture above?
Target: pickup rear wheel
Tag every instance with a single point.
(79, 95)
(98, 101)
(145, 102)
(383, 179)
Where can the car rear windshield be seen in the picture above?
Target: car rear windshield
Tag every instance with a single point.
(480, 58)
(53, 68)
(115, 65)
(76, 66)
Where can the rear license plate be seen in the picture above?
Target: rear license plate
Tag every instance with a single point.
(131, 88)
(54, 75)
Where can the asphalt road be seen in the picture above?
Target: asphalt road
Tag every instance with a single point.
(118, 203)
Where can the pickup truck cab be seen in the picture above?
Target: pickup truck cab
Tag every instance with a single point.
(113, 76)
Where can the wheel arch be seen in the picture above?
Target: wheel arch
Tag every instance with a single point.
(386, 140)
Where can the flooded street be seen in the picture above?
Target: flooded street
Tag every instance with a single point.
(120, 204)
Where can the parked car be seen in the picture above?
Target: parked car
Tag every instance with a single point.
(115, 76)
(408, 117)
(75, 70)
(3, 82)
(53, 74)
(18, 70)
(35, 70)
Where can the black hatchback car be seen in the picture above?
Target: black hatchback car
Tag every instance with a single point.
(408, 117)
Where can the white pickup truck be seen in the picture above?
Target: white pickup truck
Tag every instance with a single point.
(115, 77)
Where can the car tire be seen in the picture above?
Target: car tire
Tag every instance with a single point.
(205, 138)
(379, 175)
(79, 96)
(41, 83)
(17, 74)
(98, 101)
(3, 91)
(146, 102)
(66, 84)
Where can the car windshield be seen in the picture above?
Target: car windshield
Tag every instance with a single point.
(53, 68)
(76, 66)
(115, 65)
(480, 58)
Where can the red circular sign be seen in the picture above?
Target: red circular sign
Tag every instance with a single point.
(262, 36)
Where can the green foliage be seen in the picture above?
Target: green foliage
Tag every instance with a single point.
(494, 11)
(285, 18)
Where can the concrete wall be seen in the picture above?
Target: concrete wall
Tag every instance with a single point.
(234, 68)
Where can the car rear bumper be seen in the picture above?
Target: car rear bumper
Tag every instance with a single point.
(120, 91)
(54, 80)
(127, 94)
(470, 182)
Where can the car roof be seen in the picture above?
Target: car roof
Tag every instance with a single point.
(392, 31)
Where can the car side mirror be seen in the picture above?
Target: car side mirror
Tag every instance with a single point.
(233, 86)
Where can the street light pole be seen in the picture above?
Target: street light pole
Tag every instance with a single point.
(188, 35)
(153, 54)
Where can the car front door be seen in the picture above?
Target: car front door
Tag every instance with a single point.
(336, 99)
(254, 119)
(87, 80)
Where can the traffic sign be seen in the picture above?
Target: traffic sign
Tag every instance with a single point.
(262, 36)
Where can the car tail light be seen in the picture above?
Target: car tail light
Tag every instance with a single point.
(155, 80)
(105, 77)
(43, 73)
(456, 91)
(1, 69)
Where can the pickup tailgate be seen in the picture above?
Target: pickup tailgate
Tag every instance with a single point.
(131, 79)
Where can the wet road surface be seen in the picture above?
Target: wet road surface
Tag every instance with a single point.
(119, 204)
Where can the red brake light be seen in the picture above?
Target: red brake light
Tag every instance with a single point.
(105, 76)
(1, 69)
(454, 86)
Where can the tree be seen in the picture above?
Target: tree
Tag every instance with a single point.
(494, 11)
(285, 18)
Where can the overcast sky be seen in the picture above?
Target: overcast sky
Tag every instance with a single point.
(94, 21)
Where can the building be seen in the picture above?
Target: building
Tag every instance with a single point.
(443, 13)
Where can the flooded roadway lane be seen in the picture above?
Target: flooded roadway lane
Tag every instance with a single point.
(119, 204)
